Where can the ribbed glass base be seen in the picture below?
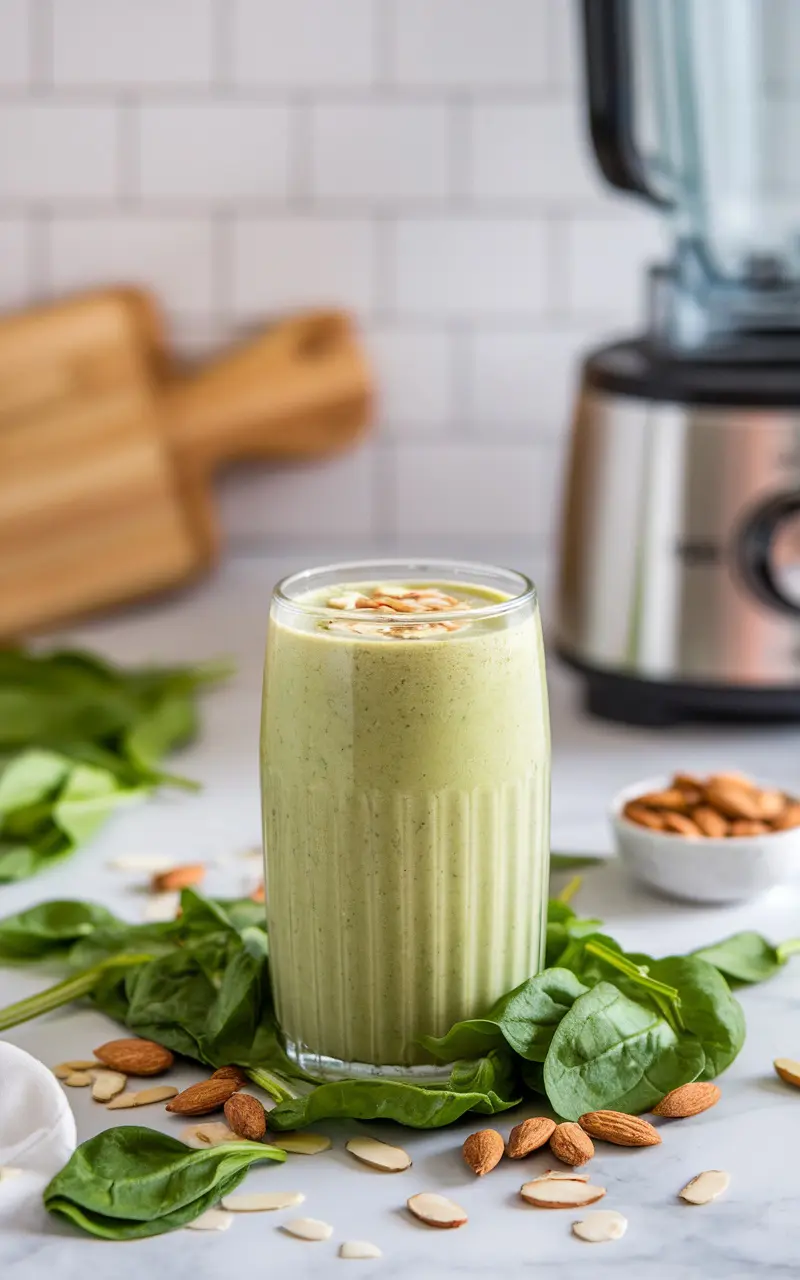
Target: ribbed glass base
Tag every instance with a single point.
(322, 1067)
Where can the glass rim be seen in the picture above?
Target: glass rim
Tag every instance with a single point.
(526, 595)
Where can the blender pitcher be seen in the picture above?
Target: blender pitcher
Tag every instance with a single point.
(679, 591)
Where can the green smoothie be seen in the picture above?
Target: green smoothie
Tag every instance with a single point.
(405, 776)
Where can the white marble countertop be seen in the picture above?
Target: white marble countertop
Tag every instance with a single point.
(753, 1132)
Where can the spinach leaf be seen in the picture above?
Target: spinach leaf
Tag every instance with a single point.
(563, 925)
(493, 1075)
(708, 1009)
(51, 929)
(131, 1182)
(748, 957)
(525, 1019)
(409, 1104)
(610, 1051)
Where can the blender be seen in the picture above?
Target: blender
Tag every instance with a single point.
(679, 589)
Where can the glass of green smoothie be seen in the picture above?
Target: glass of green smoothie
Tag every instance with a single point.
(405, 772)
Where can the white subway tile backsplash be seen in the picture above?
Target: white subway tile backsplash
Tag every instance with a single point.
(463, 267)
(518, 381)
(379, 150)
(482, 489)
(14, 42)
(223, 152)
(133, 42)
(535, 151)
(606, 261)
(328, 498)
(414, 376)
(470, 43)
(173, 256)
(14, 280)
(63, 151)
(287, 262)
(305, 43)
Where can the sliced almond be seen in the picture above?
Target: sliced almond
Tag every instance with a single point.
(359, 1249)
(210, 1134)
(211, 1220)
(301, 1144)
(563, 1175)
(161, 907)
(560, 1193)
(142, 1097)
(262, 1201)
(8, 1172)
(308, 1229)
(705, 1187)
(789, 1070)
(379, 1155)
(436, 1211)
(601, 1225)
(347, 600)
(64, 1069)
(107, 1084)
(78, 1079)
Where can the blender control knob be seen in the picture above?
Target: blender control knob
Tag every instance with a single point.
(769, 552)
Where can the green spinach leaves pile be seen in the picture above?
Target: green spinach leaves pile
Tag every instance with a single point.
(597, 1028)
(80, 737)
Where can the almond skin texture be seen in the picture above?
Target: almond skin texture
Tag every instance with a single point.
(135, 1057)
(732, 798)
(203, 1098)
(483, 1150)
(230, 1073)
(246, 1116)
(571, 1145)
(681, 825)
(622, 1130)
(643, 817)
(529, 1136)
(790, 817)
(688, 1100)
(178, 878)
(710, 822)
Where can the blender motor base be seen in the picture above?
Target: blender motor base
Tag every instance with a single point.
(656, 704)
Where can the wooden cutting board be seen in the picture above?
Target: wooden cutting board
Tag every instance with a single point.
(107, 457)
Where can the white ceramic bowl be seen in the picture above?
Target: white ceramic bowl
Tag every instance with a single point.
(702, 869)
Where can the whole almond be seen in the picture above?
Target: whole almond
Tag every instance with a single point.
(643, 817)
(182, 877)
(688, 1100)
(673, 798)
(258, 894)
(771, 804)
(202, 1098)
(732, 798)
(483, 1150)
(688, 782)
(621, 1129)
(790, 817)
(570, 1144)
(230, 1073)
(246, 1116)
(747, 827)
(135, 1057)
(710, 822)
(680, 824)
(529, 1136)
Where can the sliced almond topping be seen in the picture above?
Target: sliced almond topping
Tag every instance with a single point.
(301, 1144)
(788, 1069)
(436, 1211)
(107, 1084)
(705, 1187)
(262, 1201)
(359, 1249)
(210, 1134)
(347, 600)
(211, 1220)
(560, 1193)
(308, 1229)
(64, 1069)
(600, 1225)
(379, 1155)
(78, 1079)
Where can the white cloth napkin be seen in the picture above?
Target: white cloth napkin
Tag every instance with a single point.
(37, 1132)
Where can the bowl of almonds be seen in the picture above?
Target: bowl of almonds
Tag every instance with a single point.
(722, 838)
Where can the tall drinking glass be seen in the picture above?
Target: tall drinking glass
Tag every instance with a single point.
(406, 794)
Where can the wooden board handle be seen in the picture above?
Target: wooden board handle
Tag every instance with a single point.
(301, 387)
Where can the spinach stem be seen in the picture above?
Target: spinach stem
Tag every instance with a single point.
(788, 948)
(82, 984)
(665, 997)
(276, 1086)
(569, 890)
